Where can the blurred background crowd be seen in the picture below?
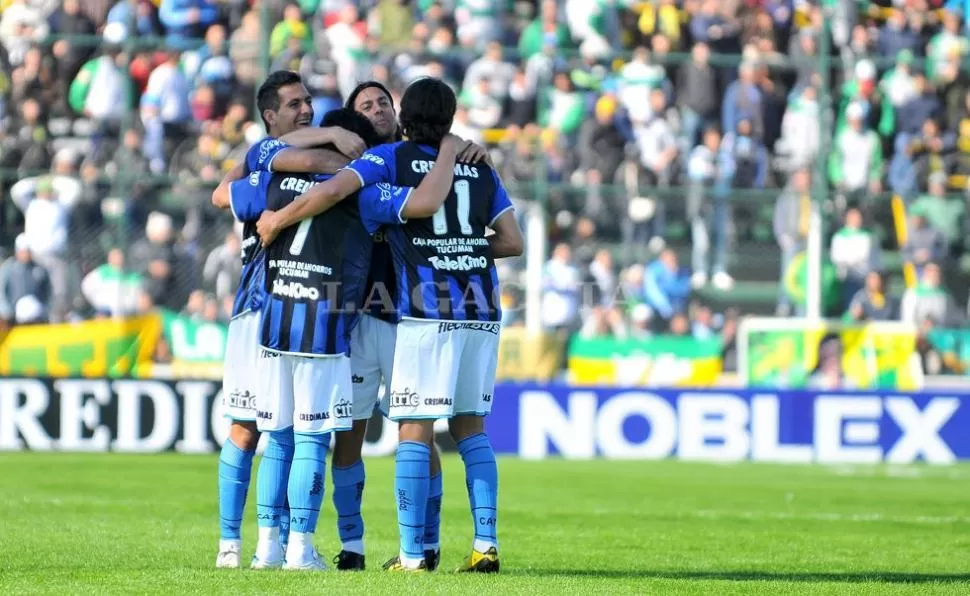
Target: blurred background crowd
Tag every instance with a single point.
(674, 147)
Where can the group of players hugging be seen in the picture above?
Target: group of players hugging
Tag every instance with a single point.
(366, 264)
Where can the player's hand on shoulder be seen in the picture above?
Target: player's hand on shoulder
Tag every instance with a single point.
(267, 227)
(349, 143)
(474, 153)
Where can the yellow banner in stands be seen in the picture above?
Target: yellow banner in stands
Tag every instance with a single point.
(108, 348)
(523, 356)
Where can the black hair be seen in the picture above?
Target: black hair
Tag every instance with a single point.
(352, 98)
(360, 88)
(352, 121)
(268, 96)
(427, 110)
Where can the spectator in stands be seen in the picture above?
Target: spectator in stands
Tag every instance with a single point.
(666, 286)
(223, 268)
(790, 222)
(141, 14)
(924, 243)
(483, 110)
(111, 289)
(70, 55)
(744, 99)
(45, 232)
(800, 141)
(929, 304)
(21, 24)
(697, 95)
(210, 64)
(100, 90)
(244, 50)
(186, 20)
(746, 154)
(25, 288)
(27, 147)
(872, 303)
(657, 143)
(544, 30)
(855, 164)
(896, 36)
(165, 111)
(709, 174)
(855, 253)
(941, 213)
(161, 263)
(560, 291)
(601, 151)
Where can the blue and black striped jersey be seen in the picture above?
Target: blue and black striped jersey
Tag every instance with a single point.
(443, 264)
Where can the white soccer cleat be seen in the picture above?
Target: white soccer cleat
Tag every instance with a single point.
(271, 560)
(698, 280)
(723, 281)
(310, 561)
(228, 557)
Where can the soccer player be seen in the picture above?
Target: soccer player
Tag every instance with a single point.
(316, 273)
(284, 105)
(447, 340)
(372, 358)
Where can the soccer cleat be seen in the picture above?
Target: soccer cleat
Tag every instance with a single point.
(394, 565)
(477, 562)
(228, 557)
(313, 562)
(259, 563)
(347, 560)
(431, 558)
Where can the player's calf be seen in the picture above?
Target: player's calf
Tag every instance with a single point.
(411, 486)
(481, 477)
(235, 470)
(305, 493)
(348, 490)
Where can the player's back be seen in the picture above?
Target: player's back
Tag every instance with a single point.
(315, 274)
(444, 264)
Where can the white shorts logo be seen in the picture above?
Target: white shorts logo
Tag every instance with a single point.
(294, 289)
(461, 263)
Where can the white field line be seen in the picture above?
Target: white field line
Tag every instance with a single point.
(830, 517)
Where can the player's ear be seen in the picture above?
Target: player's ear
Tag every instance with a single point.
(270, 117)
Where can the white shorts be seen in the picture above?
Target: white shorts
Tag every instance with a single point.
(443, 369)
(371, 362)
(239, 369)
(312, 395)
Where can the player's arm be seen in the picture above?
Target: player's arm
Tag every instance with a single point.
(507, 241)
(346, 142)
(317, 161)
(315, 201)
(434, 189)
(220, 196)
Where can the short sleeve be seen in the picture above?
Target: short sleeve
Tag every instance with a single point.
(247, 196)
(383, 204)
(500, 202)
(260, 156)
(375, 166)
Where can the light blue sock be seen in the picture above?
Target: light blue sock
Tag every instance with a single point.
(274, 472)
(235, 470)
(285, 521)
(306, 486)
(411, 483)
(481, 478)
(348, 488)
(432, 516)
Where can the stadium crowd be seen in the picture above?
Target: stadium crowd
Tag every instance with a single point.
(118, 140)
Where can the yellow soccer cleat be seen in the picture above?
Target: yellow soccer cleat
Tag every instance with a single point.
(394, 565)
(477, 562)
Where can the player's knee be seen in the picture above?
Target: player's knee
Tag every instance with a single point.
(244, 435)
(417, 431)
(464, 426)
(347, 445)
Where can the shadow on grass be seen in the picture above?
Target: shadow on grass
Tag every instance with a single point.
(888, 577)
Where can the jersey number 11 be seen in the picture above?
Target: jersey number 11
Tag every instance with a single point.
(464, 195)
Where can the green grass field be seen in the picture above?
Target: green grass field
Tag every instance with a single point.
(99, 524)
